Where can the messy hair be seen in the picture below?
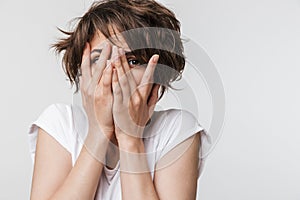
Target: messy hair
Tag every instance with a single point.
(157, 32)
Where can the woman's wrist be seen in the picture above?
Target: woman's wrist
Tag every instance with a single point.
(96, 143)
(130, 143)
(132, 155)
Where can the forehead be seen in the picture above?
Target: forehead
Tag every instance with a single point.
(99, 40)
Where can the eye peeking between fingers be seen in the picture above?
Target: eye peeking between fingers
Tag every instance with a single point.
(94, 60)
(95, 55)
(133, 62)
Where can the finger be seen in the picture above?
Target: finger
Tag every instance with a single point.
(85, 66)
(122, 78)
(116, 62)
(117, 93)
(153, 98)
(107, 79)
(131, 80)
(104, 56)
(82, 90)
(145, 85)
(124, 60)
(153, 95)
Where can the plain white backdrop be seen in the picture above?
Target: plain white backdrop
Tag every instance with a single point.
(255, 45)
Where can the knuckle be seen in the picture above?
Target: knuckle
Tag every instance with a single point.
(106, 83)
(100, 101)
(97, 96)
(90, 92)
(117, 90)
(136, 101)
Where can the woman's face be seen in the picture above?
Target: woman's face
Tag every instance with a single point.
(97, 44)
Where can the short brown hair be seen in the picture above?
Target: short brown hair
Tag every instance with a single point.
(126, 15)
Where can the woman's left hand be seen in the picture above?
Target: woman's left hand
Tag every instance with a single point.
(133, 104)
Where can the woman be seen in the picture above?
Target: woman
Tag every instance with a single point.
(123, 55)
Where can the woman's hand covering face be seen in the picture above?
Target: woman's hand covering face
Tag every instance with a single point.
(96, 90)
(113, 101)
(133, 104)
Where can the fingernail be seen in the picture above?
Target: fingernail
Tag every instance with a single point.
(155, 58)
(121, 51)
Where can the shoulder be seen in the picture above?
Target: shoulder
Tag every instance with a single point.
(56, 120)
(177, 126)
(177, 119)
(58, 116)
(176, 112)
(62, 109)
(181, 126)
(56, 110)
(172, 126)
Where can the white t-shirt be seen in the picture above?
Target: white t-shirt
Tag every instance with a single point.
(166, 129)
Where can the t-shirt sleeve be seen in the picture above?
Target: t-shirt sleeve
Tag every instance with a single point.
(183, 125)
(53, 120)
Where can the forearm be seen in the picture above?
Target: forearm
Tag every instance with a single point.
(83, 179)
(136, 180)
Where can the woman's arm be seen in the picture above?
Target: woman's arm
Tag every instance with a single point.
(173, 180)
(136, 180)
(54, 177)
(177, 174)
(133, 106)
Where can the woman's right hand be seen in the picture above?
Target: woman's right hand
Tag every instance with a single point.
(96, 92)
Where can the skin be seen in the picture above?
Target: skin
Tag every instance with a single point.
(107, 92)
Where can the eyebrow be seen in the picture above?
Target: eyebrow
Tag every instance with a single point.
(127, 53)
(96, 51)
